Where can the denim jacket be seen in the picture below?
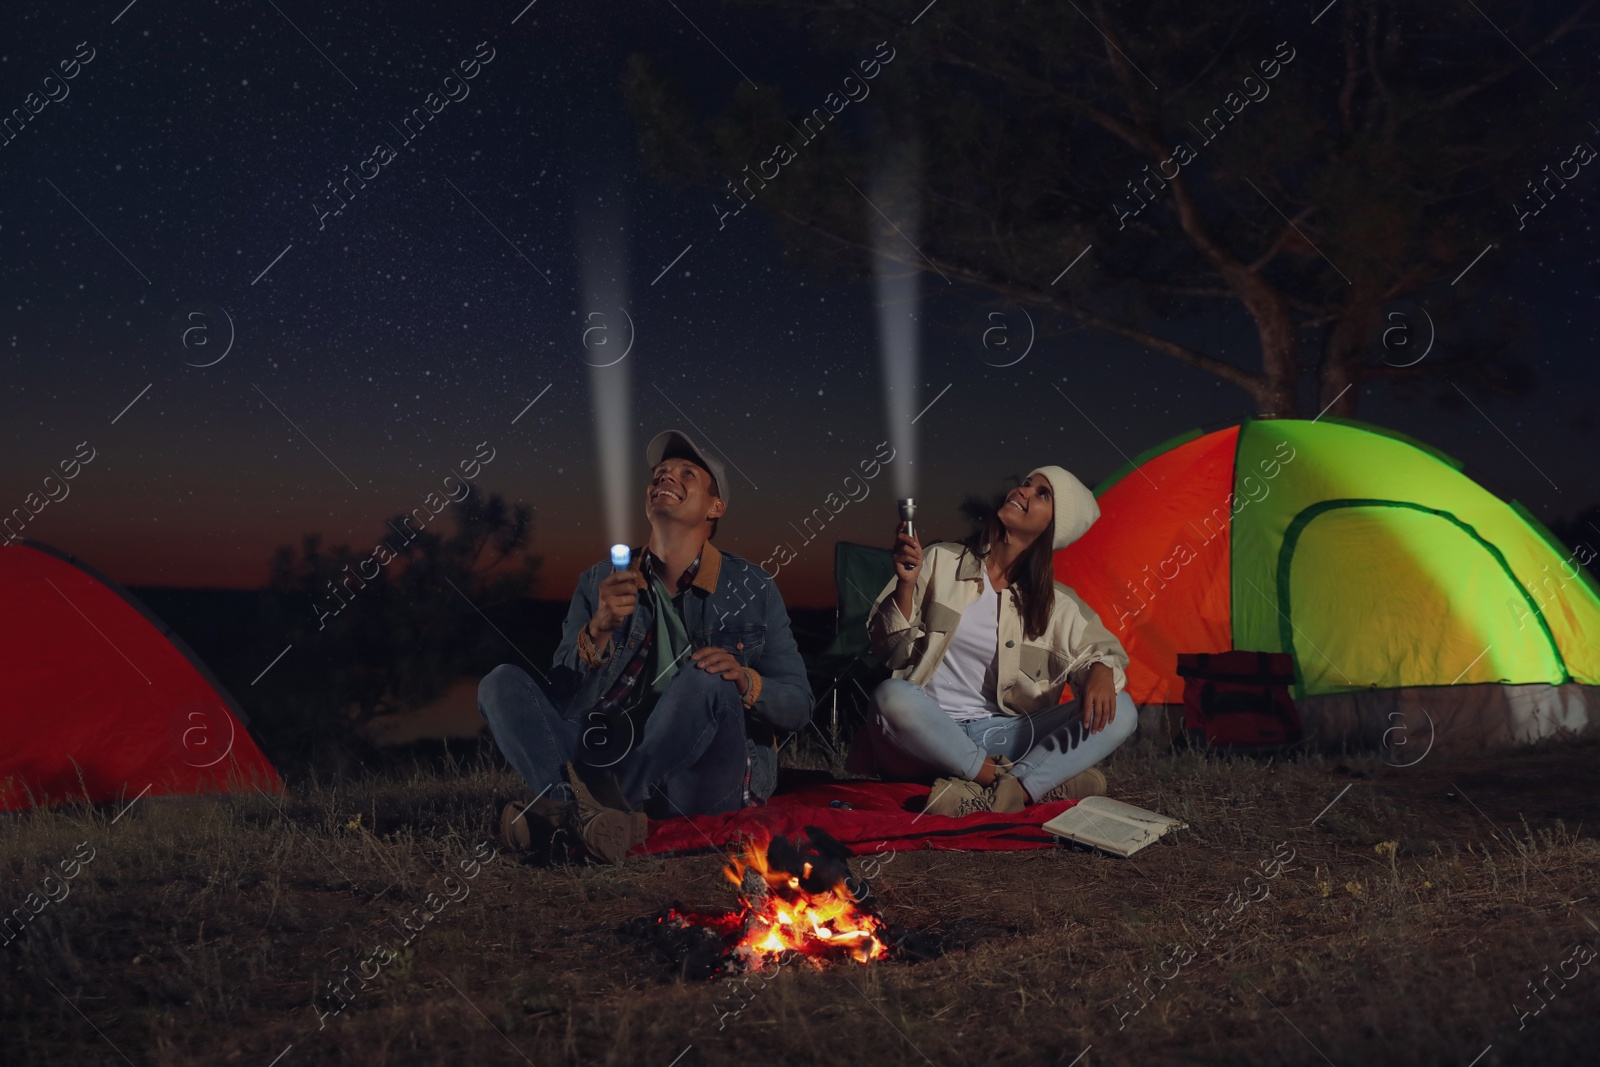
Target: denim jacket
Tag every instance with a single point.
(732, 604)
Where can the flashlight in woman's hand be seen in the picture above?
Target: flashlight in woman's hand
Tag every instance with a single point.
(908, 512)
(619, 558)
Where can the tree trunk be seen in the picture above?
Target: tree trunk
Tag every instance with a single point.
(1339, 374)
(1275, 396)
(1276, 400)
(1337, 389)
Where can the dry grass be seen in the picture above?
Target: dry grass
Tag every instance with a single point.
(203, 928)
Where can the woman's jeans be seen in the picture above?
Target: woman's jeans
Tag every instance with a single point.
(912, 738)
(689, 759)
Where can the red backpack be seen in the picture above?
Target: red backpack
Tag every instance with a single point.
(1239, 701)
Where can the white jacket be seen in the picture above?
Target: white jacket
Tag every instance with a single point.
(1030, 673)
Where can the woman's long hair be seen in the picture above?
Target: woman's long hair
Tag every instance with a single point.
(1031, 575)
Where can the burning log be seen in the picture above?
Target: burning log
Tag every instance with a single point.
(798, 899)
(801, 897)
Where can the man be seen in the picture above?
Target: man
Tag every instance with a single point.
(670, 683)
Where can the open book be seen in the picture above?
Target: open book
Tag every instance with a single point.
(1111, 825)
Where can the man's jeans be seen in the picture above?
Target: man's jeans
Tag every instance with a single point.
(689, 759)
(910, 737)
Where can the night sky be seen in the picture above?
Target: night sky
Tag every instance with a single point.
(186, 174)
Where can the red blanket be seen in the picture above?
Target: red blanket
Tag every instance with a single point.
(879, 820)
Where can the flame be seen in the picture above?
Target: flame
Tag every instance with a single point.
(787, 918)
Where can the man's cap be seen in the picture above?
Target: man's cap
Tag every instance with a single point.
(1075, 509)
(675, 444)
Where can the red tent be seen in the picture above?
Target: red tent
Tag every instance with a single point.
(100, 700)
(1141, 517)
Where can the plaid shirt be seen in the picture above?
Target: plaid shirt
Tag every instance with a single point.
(624, 692)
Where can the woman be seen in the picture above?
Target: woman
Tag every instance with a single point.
(981, 640)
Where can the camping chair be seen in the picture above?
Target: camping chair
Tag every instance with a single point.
(859, 572)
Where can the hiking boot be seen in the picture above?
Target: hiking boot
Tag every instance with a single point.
(607, 833)
(1007, 795)
(1089, 783)
(608, 791)
(948, 795)
(522, 821)
(956, 797)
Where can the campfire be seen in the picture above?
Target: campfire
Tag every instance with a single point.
(797, 899)
(802, 901)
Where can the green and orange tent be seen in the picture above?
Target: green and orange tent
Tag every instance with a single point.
(1368, 557)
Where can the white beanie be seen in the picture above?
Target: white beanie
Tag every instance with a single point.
(1075, 507)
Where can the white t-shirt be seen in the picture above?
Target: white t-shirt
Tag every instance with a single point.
(963, 684)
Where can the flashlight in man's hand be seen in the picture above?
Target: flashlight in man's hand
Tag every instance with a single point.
(619, 558)
(908, 511)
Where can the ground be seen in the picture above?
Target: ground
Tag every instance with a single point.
(1405, 927)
